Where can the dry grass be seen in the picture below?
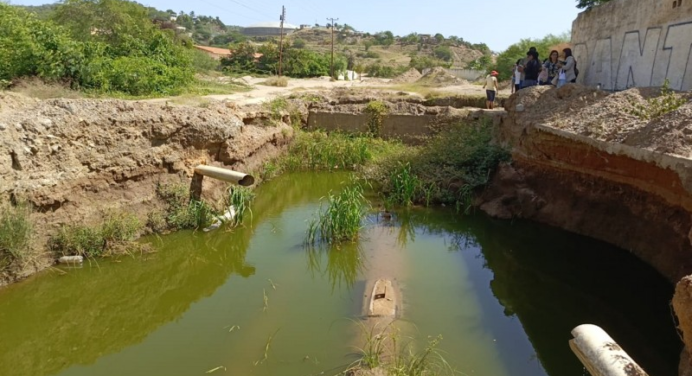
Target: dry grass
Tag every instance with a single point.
(276, 81)
(36, 88)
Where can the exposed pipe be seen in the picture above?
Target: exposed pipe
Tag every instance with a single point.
(600, 354)
(230, 176)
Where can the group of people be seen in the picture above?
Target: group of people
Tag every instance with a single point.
(556, 70)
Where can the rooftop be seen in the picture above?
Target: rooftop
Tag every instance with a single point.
(272, 24)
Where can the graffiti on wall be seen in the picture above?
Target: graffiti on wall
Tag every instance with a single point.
(639, 58)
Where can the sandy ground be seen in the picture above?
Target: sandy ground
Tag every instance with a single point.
(261, 93)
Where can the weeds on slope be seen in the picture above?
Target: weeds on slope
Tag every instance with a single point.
(114, 235)
(181, 212)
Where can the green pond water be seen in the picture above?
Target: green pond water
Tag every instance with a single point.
(504, 296)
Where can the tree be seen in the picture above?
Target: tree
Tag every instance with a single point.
(483, 63)
(443, 53)
(439, 38)
(588, 4)
(412, 38)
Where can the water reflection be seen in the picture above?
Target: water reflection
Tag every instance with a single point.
(553, 281)
(52, 322)
(344, 263)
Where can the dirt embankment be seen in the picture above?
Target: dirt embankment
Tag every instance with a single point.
(583, 162)
(73, 160)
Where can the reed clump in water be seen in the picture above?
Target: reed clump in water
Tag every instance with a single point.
(240, 198)
(385, 352)
(342, 218)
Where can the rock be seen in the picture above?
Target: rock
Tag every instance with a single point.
(46, 123)
(3, 126)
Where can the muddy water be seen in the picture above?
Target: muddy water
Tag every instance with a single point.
(503, 295)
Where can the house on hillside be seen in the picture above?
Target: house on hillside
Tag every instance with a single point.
(215, 52)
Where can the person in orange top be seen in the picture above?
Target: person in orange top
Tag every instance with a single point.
(491, 89)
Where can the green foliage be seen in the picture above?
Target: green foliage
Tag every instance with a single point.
(443, 53)
(341, 220)
(299, 43)
(448, 169)
(483, 63)
(376, 111)
(655, 107)
(104, 45)
(113, 235)
(201, 62)
(421, 62)
(588, 4)
(15, 234)
(181, 212)
(404, 185)
(320, 150)
(297, 62)
(384, 38)
(384, 70)
(240, 198)
(505, 61)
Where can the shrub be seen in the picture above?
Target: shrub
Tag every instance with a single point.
(276, 81)
(15, 234)
(299, 43)
(320, 150)
(181, 212)
(376, 111)
(240, 198)
(667, 102)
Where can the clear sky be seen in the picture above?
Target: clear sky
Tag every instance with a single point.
(497, 23)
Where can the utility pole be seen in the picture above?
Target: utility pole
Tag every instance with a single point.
(281, 41)
(332, 20)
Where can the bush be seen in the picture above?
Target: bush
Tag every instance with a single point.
(202, 62)
(104, 45)
(667, 102)
(383, 70)
(299, 43)
(15, 234)
(276, 81)
(181, 212)
(376, 111)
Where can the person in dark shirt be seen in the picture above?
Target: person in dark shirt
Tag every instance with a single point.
(531, 69)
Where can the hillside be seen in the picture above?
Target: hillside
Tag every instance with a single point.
(366, 51)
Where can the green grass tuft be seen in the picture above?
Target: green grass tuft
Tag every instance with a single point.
(341, 220)
(181, 212)
(15, 234)
(115, 234)
(240, 198)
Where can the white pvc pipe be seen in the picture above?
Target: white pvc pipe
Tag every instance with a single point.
(225, 175)
(600, 354)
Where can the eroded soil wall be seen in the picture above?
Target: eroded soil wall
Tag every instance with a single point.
(74, 160)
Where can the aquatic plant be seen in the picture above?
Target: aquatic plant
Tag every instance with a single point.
(15, 234)
(404, 184)
(341, 220)
(267, 347)
(383, 350)
(114, 235)
(240, 198)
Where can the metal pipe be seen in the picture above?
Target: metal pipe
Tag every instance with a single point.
(230, 176)
(600, 354)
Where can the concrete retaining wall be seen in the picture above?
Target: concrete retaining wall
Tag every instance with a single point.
(408, 128)
(635, 43)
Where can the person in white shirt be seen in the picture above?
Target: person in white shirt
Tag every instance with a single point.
(516, 77)
(491, 89)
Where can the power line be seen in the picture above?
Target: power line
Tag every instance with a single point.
(248, 7)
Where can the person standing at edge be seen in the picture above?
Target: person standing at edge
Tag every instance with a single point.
(531, 69)
(570, 66)
(491, 89)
